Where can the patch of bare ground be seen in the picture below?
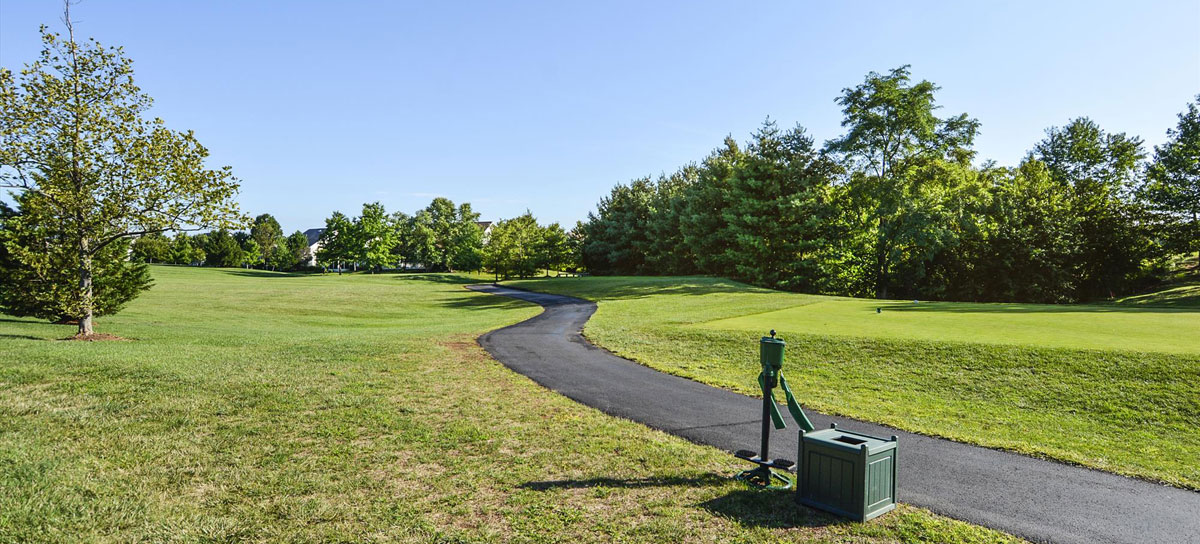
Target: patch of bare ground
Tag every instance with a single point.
(96, 337)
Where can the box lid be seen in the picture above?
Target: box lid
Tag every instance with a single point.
(849, 440)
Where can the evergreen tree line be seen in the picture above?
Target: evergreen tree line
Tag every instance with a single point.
(895, 207)
(264, 246)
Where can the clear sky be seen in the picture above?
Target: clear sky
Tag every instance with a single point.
(321, 106)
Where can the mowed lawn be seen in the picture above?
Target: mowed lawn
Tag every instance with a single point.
(251, 406)
(1110, 386)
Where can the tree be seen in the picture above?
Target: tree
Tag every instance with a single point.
(151, 248)
(666, 252)
(265, 231)
(512, 248)
(298, 250)
(553, 248)
(892, 139)
(443, 236)
(466, 240)
(36, 280)
(74, 139)
(1027, 252)
(617, 239)
(185, 251)
(251, 253)
(779, 218)
(1100, 172)
(337, 241)
(376, 237)
(1173, 187)
(223, 250)
(700, 221)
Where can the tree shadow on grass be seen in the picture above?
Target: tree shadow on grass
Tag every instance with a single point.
(769, 509)
(627, 483)
(21, 337)
(445, 277)
(1013, 308)
(255, 273)
(600, 288)
(484, 301)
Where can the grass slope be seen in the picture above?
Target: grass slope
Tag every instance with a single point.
(1005, 376)
(258, 407)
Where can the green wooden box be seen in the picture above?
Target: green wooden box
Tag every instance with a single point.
(847, 473)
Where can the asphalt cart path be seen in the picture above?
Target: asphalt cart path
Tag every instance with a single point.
(1043, 501)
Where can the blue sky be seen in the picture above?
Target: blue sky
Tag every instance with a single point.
(321, 106)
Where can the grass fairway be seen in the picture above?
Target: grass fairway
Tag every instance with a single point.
(1114, 386)
(257, 407)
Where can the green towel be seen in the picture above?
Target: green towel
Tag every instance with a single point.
(793, 406)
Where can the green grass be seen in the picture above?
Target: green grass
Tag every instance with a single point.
(1115, 387)
(251, 406)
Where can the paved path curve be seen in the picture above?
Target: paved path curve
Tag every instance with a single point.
(1032, 498)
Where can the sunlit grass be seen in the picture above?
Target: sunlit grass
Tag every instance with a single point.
(1108, 386)
(256, 407)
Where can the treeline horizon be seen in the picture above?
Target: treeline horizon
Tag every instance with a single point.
(895, 208)
(442, 237)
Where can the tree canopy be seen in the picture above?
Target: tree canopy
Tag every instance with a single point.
(94, 171)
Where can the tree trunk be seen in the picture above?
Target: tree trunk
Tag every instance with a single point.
(85, 290)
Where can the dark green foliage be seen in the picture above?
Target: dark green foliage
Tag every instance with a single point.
(899, 153)
(779, 219)
(222, 249)
(337, 241)
(616, 236)
(513, 247)
(297, 248)
(1173, 187)
(904, 212)
(266, 232)
(151, 248)
(667, 252)
(37, 276)
(1099, 171)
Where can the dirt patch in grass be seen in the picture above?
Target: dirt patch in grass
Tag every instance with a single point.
(96, 337)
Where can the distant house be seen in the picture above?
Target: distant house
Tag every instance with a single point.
(314, 244)
(486, 227)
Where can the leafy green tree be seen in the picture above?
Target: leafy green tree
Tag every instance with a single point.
(338, 241)
(512, 248)
(1027, 255)
(251, 253)
(443, 236)
(35, 278)
(575, 240)
(223, 250)
(185, 251)
(265, 231)
(376, 237)
(151, 248)
(893, 142)
(297, 249)
(498, 249)
(1173, 187)
(74, 139)
(553, 248)
(281, 257)
(1100, 170)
